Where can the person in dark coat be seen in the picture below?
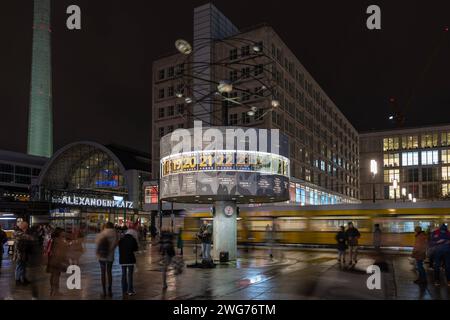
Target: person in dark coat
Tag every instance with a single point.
(128, 245)
(352, 237)
(341, 239)
(57, 259)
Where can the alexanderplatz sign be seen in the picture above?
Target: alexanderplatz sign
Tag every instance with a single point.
(224, 166)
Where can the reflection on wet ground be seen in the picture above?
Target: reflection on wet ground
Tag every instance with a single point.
(289, 274)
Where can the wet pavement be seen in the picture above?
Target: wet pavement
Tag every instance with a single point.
(290, 274)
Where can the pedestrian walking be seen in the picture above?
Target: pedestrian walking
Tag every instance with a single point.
(128, 245)
(341, 239)
(441, 244)
(419, 254)
(106, 242)
(21, 253)
(180, 242)
(377, 237)
(352, 237)
(57, 259)
(167, 252)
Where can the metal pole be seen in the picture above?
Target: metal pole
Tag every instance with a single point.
(159, 204)
(373, 188)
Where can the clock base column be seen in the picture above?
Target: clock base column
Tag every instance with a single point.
(225, 229)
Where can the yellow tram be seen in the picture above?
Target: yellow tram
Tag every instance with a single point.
(317, 225)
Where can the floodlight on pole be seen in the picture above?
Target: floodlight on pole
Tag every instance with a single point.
(275, 103)
(374, 171)
(183, 46)
(224, 86)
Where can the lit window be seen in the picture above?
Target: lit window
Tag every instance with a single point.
(429, 140)
(430, 157)
(410, 142)
(445, 156)
(391, 160)
(445, 173)
(410, 158)
(445, 139)
(391, 144)
(391, 175)
(445, 190)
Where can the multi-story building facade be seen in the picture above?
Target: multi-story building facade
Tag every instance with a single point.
(17, 172)
(418, 158)
(324, 146)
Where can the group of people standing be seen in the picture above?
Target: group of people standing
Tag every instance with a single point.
(348, 239)
(436, 247)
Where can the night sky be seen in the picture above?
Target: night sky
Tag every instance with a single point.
(102, 73)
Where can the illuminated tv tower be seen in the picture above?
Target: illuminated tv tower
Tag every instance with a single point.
(40, 118)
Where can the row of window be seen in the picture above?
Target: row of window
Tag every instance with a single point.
(316, 95)
(17, 169)
(427, 140)
(429, 191)
(162, 131)
(170, 111)
(171, 72)
(412, 175)
(430, 157)
(244, 118)
(245, 51)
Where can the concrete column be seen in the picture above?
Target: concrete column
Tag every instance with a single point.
(225, 229)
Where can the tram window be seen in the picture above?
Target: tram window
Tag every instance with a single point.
(406, 226)
(334, 224)
(258, 225)
(287, 224)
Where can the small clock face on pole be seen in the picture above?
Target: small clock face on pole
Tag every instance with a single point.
(228, 210)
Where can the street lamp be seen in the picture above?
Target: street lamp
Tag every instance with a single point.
(404, 194)
(374, 171)
(395, 185)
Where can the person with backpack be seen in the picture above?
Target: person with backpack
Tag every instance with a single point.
(106, 242)
(21, 252)
(128, 245)
(341, 239)
(441, 243)
(57, 259)
(352, 237)
(3, 240)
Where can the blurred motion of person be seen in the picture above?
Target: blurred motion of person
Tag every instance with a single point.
(21, 253)
(441, 244)
(377, 237)
(3, 240)
(419, 254)
(269, 239)
(106, 242)
(57, 259)
(352, 237)
(341, 239)
(167, 252)
(128, 245)
(430, 249)
(180, 243)
(76, 249)
(33, 264)
(205, 236)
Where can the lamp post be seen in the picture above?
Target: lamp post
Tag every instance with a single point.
(374, 171)
(395, 185)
